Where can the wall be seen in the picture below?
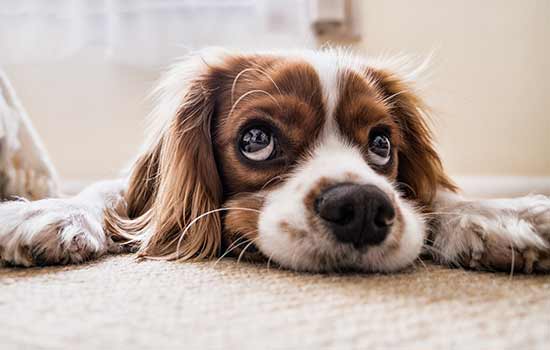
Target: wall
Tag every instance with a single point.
(489, 87)
(490, 80)
(90, 115)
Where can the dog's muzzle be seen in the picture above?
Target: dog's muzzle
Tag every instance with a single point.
(357, 214)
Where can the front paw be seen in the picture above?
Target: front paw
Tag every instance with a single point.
(536, 211)
(510, 236)
(48, 232)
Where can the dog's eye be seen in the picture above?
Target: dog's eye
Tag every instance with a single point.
(257, 144)
(379, 149)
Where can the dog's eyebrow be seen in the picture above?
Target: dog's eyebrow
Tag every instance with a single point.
(293, 114)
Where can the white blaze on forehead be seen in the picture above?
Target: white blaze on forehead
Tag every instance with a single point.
(328, 70)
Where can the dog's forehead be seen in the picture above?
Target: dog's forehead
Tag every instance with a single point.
(329, 70)
(328, 83)
(353, 100)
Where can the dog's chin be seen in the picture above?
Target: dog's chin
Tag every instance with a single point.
(285, 242)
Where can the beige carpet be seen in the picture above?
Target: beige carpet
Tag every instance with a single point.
(118, 303)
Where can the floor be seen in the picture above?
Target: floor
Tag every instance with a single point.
(120, 303)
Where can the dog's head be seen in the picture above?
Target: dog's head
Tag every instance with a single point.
(316, 161)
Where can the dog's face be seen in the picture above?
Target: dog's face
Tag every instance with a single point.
(316, 161)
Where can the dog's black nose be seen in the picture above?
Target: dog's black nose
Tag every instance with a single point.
(358, 214)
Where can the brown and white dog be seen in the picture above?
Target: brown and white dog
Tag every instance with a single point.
(316, 161)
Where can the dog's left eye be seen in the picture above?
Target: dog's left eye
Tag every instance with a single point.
(257, 144)
(380, 149)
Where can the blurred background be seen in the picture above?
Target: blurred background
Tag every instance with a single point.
(83, 68)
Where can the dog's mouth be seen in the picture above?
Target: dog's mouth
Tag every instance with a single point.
(316, 249)
(342, 226)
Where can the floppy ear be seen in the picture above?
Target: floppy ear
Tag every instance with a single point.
(419, 168)
(174, 185)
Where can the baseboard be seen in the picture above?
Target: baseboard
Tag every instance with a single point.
(503, 186)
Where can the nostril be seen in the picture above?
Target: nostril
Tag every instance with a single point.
(318, 205)
(382, 222)
(385, 216)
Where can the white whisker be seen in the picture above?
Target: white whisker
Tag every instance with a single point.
(278, 177)
(389, 98)
(261, 70)
(232, 247)
(204, 215)
(252, 241)
(247, 94)
(513, 260)
(251, 70)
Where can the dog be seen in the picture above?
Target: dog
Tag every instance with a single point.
(314, 160)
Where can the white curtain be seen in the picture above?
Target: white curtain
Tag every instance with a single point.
(145, 32)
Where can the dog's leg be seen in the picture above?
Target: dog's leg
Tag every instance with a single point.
(58, 231)
(25, 169)
(498, 234)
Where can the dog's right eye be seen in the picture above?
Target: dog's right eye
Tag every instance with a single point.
(257, 144)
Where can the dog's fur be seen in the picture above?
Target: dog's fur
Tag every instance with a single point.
(25, 169)
(193, 193)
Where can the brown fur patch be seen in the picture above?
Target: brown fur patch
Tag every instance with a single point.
(174, 189)
(322, 184)
(291, 231)
(241, 226)
(316, 190)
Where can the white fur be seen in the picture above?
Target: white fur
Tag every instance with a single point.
(479, 232)
(25, 169)
(58, 231)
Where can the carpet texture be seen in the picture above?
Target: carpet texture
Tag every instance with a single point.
(119, 303)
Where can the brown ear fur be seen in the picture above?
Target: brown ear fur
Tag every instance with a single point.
(174, 185)
(420, 170)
